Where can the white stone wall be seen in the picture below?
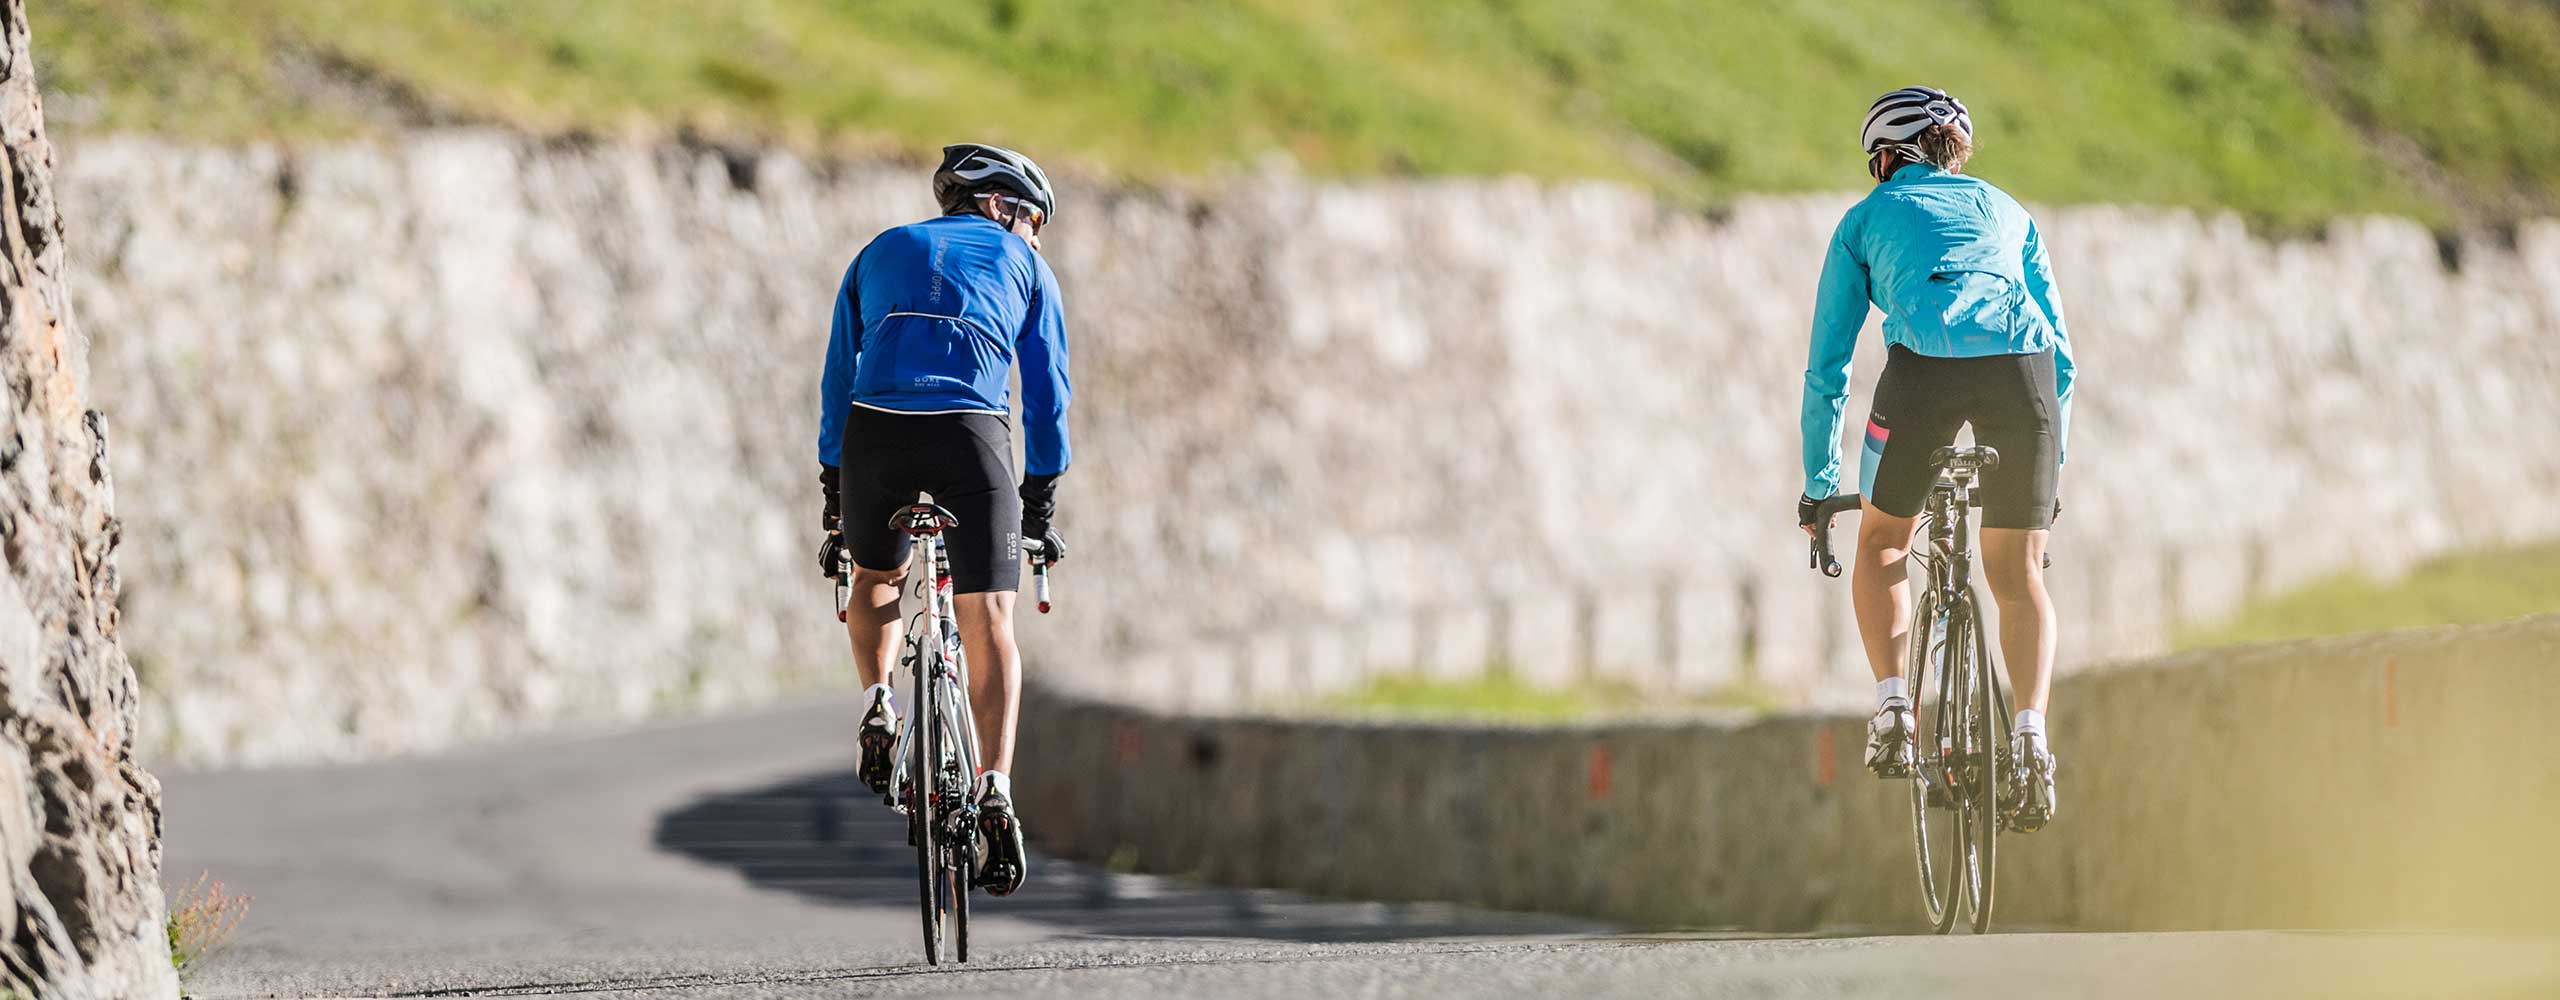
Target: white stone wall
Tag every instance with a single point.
(466, 435)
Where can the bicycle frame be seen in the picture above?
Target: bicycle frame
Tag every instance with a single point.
(1950, 650)
(940, 735)
(939, 669)
(1948, 560)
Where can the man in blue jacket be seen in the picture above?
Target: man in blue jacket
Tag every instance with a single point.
(928, 325)
(1975, 335)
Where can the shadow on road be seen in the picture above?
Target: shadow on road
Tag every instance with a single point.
(825, 838)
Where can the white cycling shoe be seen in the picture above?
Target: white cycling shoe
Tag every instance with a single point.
(1891, 738)
(2030, 799)
(876, 743)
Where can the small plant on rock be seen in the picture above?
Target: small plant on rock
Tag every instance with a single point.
(201, 917)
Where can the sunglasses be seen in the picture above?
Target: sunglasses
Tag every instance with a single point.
(1024, 211)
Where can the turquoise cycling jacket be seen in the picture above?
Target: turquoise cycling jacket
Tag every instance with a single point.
(1960, 272)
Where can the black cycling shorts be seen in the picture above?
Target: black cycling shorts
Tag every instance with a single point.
(965, 460)
(1921, 401)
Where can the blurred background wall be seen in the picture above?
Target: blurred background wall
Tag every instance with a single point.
(461, 434)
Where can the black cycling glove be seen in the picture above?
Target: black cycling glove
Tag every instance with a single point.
(831, 555)
(829, 480)
(1039, 506)
(1806, 508)
(831, 551)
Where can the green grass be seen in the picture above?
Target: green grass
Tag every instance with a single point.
(1504, 695)
(2463, 589)
(2290, 111)
(202, 918)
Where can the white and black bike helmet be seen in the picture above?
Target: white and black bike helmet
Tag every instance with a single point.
(973, 168)
(1894, 119)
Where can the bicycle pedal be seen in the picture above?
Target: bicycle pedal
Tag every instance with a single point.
(1895, 762)
(997, 878)
(877, 768)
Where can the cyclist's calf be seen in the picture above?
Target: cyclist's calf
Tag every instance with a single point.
(2013, 563)
(1880, 588)
(871, 620)
(995, 672)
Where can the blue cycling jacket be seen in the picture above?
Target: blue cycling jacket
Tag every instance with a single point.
(1960, 272)
(930, 319)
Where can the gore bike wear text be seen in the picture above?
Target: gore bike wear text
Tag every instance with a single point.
(931, 318)
(1959, 271)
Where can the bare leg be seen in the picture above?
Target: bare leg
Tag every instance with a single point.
(1880, 588)
(2013, 560)
(995, 673)
(872, 621)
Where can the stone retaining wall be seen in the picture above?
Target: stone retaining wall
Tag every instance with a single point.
(462, 434)
(2405, 779)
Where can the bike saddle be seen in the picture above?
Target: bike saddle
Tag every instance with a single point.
(922, 519)
(1979, 457)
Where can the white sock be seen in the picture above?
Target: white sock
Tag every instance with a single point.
(879, 694)
(2031, 722)
(1892, 689)
(997, 782)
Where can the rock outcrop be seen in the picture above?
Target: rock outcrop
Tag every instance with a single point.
(462, 434)
(80, 913)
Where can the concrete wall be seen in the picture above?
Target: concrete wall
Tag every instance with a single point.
(2406, 779)
(462, 435)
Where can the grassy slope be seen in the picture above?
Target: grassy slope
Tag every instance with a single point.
(1506, 696)
(2468, 588)
(2289, 110)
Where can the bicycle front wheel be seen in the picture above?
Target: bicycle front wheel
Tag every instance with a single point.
(1936, 838)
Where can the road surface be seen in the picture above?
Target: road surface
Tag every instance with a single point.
(730, 858)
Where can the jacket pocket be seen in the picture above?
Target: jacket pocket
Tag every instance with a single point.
(1972, 312)
(916, 353)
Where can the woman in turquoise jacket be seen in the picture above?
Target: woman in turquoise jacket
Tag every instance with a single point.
(1974, 335)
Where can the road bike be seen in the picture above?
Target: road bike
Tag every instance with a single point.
(936, 755)
(1956, 784)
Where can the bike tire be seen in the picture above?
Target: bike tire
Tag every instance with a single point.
(1988, 726)
(1937, 852)
(1963, 764)
(922, 804)
(963, 847)
(959, 875)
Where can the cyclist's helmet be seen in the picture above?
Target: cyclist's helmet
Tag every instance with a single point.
(974, 168)
(1896, 118)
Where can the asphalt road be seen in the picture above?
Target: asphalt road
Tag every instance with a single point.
(732, 858)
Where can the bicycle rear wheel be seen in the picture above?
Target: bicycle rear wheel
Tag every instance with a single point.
(962, 840)
(959, 875)
(924, 805)
(1983, 801)
(1935, 836)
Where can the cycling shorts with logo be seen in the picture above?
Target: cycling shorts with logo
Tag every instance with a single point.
(965, 460)
(1920, 403)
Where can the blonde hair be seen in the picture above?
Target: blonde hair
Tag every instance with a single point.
(1944, 146)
